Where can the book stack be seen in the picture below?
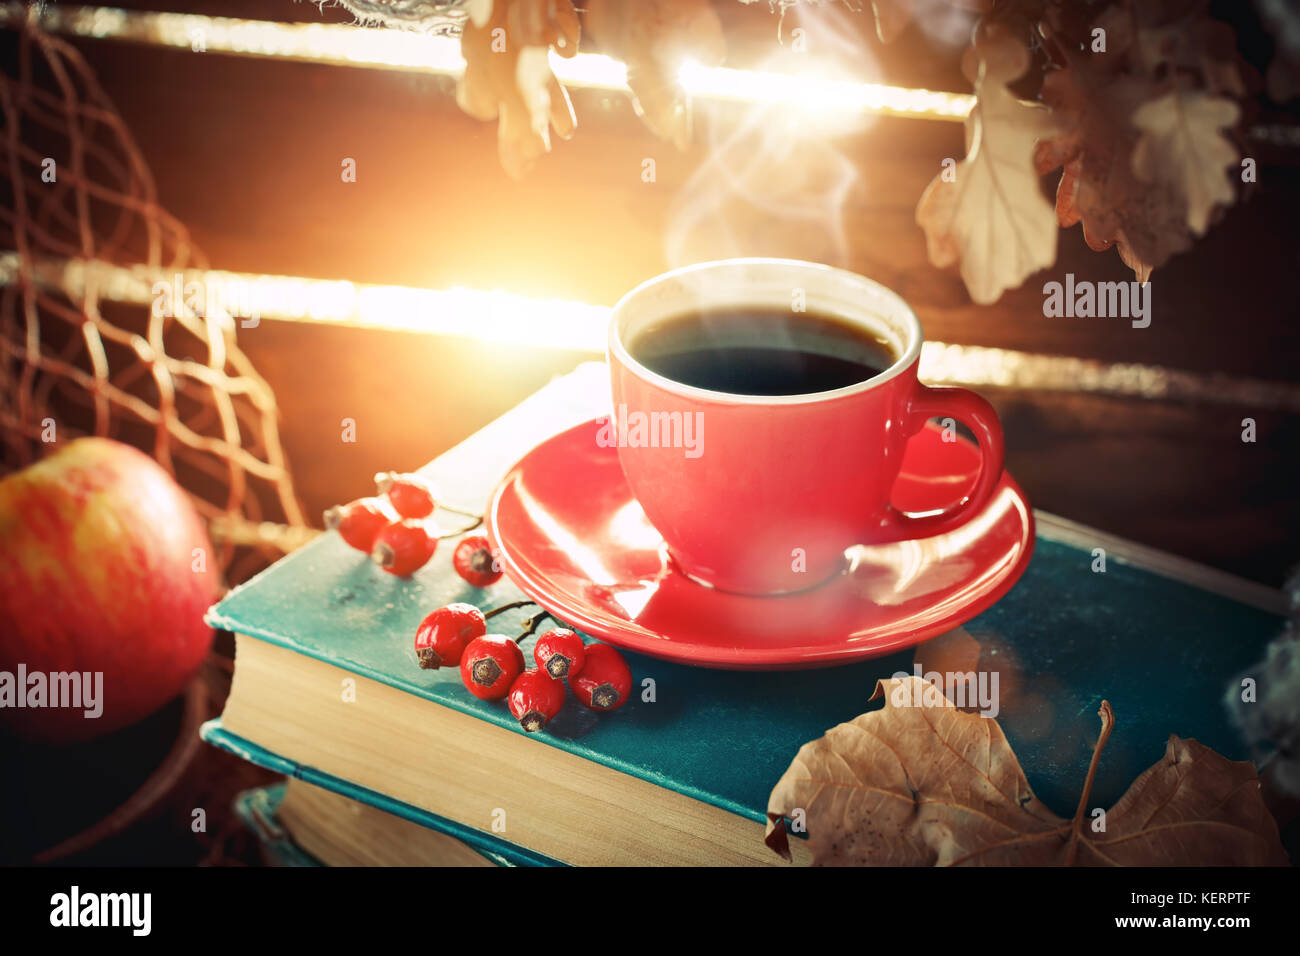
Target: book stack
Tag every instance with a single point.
(388, 764)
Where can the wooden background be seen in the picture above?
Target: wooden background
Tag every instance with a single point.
(247, 154)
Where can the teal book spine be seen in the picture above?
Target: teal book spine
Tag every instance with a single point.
(258, 808)
(1161, 650)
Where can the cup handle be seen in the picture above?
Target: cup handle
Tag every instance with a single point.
(978, 415)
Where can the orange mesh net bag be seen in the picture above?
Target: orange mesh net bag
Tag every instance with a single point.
(80, 354)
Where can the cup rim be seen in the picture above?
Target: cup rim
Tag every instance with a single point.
(617, 350)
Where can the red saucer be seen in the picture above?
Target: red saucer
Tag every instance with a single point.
(570, 535)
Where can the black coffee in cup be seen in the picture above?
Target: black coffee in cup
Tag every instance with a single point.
(750, 350)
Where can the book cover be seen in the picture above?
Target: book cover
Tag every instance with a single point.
(257, 808)
(494, 847)
(1162, 651)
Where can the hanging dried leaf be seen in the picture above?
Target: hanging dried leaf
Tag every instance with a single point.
(508, 78)
(991, 216)
(654, 37)
(1099, 187)
(1193, 46)
(920, 783)
(1181, 142)
(1149, 50)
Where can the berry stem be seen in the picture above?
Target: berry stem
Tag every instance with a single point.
(505, 607)
(478, 520)
(530, 625)
(460, 511)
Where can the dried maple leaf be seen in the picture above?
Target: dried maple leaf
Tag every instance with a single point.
(654, 38)
(919, 783)
(508, 78)
(1181, 141)
(991, 216)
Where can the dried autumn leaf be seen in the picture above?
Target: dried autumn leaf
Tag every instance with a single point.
(1095, 96)
(1181, 142)
(510, 80)
(1192, 46)
(1098, 186)
(920, 783)
(991, 216)
(654, 38)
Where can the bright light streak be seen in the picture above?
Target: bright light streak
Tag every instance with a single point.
(369, 48)
(499, 316)
(819, 94)
(590, 71)
(247, 299)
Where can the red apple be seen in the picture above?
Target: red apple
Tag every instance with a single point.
(105, 568)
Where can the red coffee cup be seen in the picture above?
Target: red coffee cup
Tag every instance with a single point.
(768, 492)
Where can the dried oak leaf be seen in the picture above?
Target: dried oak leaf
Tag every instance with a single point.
(508, 77)
(991, 215)
(1192, 45)
(1181, 141)
(1099, 188)
(654, 37)
(919, 783)
(1141, 207)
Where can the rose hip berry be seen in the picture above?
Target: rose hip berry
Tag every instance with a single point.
(560, 652)
(473, 561)
(411, 495)
(443, 635)
(605, 682)
(489, 665)
(359, 522)
(403, 547)
(535, 697)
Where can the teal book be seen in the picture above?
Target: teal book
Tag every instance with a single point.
(1158, 637)
(256, 809)
(260, 810)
